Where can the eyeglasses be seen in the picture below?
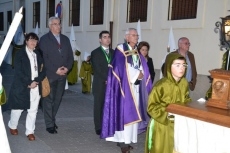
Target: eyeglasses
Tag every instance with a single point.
(179, 65)
(134, 35)
(188, 44)
(56, 24)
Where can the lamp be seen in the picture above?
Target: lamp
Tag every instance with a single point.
(224, 34)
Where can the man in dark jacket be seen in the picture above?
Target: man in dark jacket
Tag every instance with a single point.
(100, 58)
(58, 59)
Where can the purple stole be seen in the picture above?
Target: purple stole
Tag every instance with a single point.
(119, 106)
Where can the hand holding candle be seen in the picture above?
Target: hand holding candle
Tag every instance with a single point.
(10, 34)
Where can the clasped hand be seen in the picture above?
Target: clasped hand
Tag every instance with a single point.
(141, 75)
(62, 70)
(33, 85)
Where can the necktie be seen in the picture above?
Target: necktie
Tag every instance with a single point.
(59, 44)
(58, 38)
(107, 51)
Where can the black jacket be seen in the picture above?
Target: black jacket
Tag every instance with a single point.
(19, 95)
(100, 69)
(53, 59)
(151, 68)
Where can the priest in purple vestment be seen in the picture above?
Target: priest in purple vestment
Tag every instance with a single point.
(128, 86)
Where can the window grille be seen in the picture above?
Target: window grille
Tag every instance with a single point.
(36, 14)
(137, 9)
(50, 10)
(74, 12)
(182, 9)
(9, 18)
(1, 21)
(96, 12)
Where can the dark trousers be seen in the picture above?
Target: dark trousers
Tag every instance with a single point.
(52, 102)
(99, 98)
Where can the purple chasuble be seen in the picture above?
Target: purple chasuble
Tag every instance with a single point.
(119, 106)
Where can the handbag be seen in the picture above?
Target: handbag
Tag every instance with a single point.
(45, 87)
(3, 97)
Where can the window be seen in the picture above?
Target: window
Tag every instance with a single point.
(137, 9)
(36, 14)
(74, 12)
(182, 9)
(1, 21)
(50, 10)
(96, 12)
(9, 18)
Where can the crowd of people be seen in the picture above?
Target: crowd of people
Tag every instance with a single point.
(127, 103)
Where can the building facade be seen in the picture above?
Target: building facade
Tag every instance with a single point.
(199, 27)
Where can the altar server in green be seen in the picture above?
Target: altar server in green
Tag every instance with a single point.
(85, 74)
(173, 88)
(73, 74)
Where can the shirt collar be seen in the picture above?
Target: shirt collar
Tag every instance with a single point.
(130, 48)
(58, 35)
(28, 50)
(104, 47)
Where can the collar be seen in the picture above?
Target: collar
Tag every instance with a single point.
(56, 36)
(104, 47)
(180, 53)
(28, 50)
(130, 48)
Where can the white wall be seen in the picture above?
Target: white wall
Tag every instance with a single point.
(200, 31)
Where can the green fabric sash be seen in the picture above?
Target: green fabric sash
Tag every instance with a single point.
(151, 129)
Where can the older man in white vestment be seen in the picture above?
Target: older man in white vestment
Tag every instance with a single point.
(128, 85)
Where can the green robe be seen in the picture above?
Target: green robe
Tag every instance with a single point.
(85, 75)
(166, 91)
(73, 74)
(2, 97)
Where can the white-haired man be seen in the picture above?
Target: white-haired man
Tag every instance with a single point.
(128, 85)
(58, 60)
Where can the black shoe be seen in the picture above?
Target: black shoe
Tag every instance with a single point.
(98, 132)
(51, 130)
(55, 126)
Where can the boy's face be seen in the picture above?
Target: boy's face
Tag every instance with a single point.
(178, 69)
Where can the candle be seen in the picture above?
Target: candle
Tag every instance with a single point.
(111, 10)
(10, 34)
(168, 49)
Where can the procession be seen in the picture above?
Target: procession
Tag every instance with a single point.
(114, 76)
